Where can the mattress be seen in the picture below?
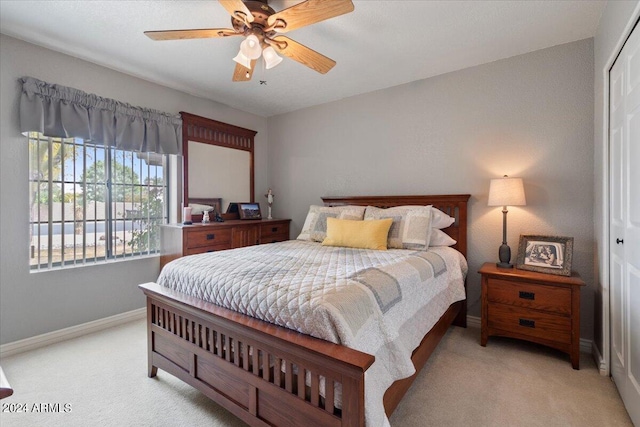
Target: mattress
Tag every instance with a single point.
(359, 298)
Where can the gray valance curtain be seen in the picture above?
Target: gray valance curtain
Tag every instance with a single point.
(61, 111)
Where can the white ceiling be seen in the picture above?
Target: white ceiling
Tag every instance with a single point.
(383, 43)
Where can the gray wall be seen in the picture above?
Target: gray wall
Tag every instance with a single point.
(614, 26)
(36, 303)
(529, 116)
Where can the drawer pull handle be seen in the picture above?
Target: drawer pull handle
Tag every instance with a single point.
(527, 323)
(211, 236)
(618, 241)
(527, 295)
(274, 229)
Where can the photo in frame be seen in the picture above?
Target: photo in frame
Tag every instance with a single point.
(545, 254)
(249, 211)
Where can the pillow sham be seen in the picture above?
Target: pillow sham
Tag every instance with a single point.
(411, 227)
(315, 225)
(358, 234)
(440, 219)
(440, 238)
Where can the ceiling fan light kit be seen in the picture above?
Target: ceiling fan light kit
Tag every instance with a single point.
(250, 47)
(271, 58)
(261, 26)
(242, 60)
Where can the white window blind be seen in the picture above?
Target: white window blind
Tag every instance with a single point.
(90, 203)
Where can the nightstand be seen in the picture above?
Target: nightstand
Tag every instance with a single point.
(536, 307)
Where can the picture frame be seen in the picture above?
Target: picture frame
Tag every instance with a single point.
(545, 254)
(249, 211)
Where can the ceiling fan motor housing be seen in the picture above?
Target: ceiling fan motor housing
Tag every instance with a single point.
(260, 11)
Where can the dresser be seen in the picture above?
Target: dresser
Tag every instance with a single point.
(178, 240)
(537, 307)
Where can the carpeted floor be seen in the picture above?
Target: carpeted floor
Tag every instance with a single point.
(100, 380)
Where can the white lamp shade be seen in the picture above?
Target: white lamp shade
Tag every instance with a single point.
(506, 192)
(271, 58)
(251, 48)
(243, 60)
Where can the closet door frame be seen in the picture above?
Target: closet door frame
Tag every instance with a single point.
(605, 362)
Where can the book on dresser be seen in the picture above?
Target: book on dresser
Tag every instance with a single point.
(178, 240)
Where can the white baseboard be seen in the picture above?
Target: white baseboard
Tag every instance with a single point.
(473, 321)
(600, 362)
(49, 338)
(586, 346)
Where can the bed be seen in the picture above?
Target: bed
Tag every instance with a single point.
(254, 368)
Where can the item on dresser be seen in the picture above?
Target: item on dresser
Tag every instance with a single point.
(269, 197)
(269, 374)
(249, 211)
(532, 306)
(186, 215)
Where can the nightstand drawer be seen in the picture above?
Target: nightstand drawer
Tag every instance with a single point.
(553, 299)
(200, 238)
(530, 323)
(269, 230)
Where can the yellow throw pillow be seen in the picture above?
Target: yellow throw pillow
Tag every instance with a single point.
(371, 234)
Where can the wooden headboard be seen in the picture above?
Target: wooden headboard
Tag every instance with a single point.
(454, 205)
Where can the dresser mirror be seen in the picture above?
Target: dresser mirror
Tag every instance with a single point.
(218, 161)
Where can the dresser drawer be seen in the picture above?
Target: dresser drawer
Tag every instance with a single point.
(529, 322)
(553, 299)
(211, 237)
(275, 238)
(269, 230)
(210, 248)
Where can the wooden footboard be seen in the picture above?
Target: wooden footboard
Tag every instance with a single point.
(234, 360)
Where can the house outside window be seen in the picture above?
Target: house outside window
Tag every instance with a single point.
(90, 203)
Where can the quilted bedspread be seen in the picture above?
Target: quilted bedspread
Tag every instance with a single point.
(355, 297)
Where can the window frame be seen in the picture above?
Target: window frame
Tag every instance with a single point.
(152, 187)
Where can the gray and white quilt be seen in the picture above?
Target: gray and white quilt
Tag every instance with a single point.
(359, 298)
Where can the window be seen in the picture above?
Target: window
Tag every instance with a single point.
(91, 203)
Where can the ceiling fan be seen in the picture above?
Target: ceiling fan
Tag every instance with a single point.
(262, 28)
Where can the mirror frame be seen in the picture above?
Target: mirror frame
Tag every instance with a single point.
(209, 131)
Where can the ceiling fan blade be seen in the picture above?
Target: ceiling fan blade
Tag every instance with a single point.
(237, 9)
(240, 73)
(303, 54)
(307, 13)
(207, 33)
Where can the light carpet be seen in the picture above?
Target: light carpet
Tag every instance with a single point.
(102, 380)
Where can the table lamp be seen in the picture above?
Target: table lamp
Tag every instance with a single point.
(506, 192)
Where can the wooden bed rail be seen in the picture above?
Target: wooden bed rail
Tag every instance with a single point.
(211, 348)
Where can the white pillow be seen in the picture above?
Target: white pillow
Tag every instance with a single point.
(411, 227)
(440, 238)
(315, 225)
(197, 209)
(440, 219)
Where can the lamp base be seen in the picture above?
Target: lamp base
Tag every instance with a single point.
(504, 265)
(504, 255)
